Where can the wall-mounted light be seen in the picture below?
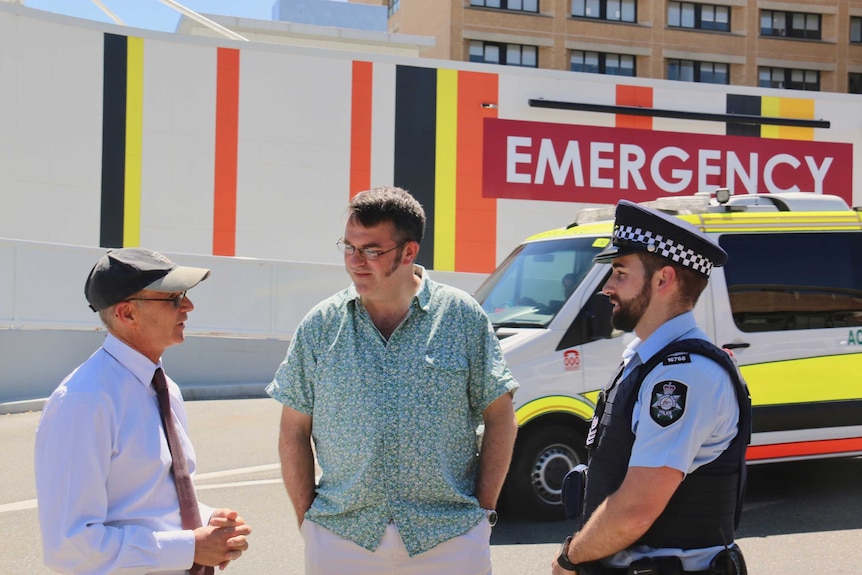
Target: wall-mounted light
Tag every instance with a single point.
(489, 105)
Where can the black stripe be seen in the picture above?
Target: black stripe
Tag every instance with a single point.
(814, 415)
(415, 143)
(679, 114)
(748, 106)
(113, 141)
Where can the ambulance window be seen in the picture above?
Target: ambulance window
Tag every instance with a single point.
(531, 286)
(794, 281)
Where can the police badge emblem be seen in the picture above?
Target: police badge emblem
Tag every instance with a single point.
(668, 403)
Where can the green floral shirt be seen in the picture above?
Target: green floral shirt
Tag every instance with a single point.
(394, 422)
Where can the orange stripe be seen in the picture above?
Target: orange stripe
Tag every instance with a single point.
(640, 96)
(226, 137)
(803, 449)
(360, 128)
(475, 216)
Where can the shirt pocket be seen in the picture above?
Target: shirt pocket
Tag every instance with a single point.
(446, 361)
(446, 374)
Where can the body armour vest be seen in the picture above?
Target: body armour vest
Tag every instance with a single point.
(704, 511)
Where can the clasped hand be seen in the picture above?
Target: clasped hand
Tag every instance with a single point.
(222, 540)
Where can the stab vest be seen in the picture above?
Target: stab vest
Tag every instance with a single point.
(705, 509)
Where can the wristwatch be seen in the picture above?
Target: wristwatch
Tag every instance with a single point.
(563, 559)
(491, 515)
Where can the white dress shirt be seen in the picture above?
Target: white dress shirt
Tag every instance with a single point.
(107, 499)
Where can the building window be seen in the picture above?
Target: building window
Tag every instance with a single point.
(601, 63)
(516, 5)
(693, 71)
(856, 29)
(789, 79)
(506, 54)
(393, 7)
(698, 16)
(790, 24)
(617, 10)
(854, 83)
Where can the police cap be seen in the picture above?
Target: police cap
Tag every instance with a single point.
(641, 229)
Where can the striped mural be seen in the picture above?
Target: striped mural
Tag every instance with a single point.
(636, 96)
(439, 117)
(476, 215)
(771, 106)
(226, 149)
(122, 137)
(436, 136)
(360, 127)
(415, 144)
(122, 145)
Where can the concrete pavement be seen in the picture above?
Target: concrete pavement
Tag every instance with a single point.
(797, 514)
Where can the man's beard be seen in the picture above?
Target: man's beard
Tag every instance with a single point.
(629, 313)
(396, 263)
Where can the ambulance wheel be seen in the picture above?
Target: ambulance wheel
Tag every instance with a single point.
(543, 455)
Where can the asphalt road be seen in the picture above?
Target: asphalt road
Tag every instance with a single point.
(801, 517)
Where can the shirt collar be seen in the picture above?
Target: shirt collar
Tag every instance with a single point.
(669, 331)
(423, 294)
(137, 363)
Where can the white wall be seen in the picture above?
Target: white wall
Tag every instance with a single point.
(294, 133)
(245, 314)
(293, 166)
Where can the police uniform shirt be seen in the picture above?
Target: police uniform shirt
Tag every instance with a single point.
(685, 416)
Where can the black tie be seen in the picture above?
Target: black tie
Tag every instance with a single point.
(189, 510)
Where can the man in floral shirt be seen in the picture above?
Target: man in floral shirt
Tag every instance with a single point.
(391, 378)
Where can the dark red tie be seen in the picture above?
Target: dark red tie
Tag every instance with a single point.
(189, 510)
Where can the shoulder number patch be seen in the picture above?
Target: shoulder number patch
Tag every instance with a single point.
(677, 358)
(668, 402)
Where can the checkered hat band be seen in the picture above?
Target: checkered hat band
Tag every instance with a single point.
(666, 248)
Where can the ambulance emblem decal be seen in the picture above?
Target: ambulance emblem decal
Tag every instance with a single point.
(668, 402)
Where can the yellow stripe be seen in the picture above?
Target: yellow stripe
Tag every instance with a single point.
(770, 106)
(803, 380)
(555, 404)
(134, 142)
(802, 108)
(737, 222)
(445, 170)
(778, 221)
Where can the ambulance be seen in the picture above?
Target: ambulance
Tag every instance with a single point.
(788, 304)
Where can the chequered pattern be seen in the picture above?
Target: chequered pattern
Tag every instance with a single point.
(665, 247)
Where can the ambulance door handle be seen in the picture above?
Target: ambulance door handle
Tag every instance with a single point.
(740, 345)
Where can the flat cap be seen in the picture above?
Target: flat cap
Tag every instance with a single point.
(121, 273)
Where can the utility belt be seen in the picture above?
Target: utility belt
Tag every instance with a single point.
(726, 562)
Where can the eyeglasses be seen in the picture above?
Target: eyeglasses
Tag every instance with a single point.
(369, 254)
(177, 299)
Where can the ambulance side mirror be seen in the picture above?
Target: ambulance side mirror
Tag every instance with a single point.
(599, 309)
(593, 322)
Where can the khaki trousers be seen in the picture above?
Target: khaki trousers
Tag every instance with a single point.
(329, 554)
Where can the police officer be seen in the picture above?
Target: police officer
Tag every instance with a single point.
(667, 443)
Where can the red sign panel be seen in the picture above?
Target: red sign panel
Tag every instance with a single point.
(570, 163)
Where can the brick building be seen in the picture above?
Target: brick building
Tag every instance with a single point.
(811, 45)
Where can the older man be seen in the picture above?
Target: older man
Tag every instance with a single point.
(113, 456)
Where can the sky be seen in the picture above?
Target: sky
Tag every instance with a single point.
(152, 14)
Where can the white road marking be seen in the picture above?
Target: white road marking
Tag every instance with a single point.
(32, 503)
